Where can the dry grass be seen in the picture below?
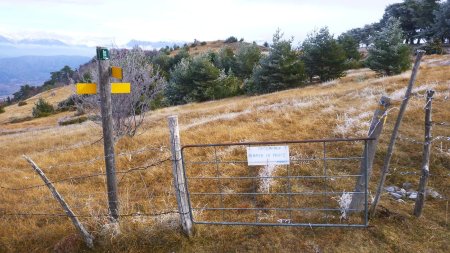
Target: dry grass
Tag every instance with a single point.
(341, 108)
(214, 46)
(16, 112)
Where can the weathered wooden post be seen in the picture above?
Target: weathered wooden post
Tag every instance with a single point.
(421, 193)
(178, 176)
(390, 151)
(88, 238)
(376, 127)
(107, 126)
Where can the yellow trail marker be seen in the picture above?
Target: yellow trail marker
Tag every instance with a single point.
(117, 72)
(120, 88)
(86, 88)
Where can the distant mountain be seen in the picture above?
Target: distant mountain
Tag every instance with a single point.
(4, 40)
(152, 44)
(43, 47)
(33, 70)
(42, 42)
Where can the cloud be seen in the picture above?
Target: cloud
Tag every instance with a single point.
(58, 2)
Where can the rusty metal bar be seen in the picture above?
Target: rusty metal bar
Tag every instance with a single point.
(276, 142)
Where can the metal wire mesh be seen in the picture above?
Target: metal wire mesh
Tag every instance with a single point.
(313, 189)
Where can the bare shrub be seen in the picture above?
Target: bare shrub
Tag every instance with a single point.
(128, 110)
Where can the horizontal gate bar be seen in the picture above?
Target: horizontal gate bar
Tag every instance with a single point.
(278, 193)
(276, 142)
(282, 224)
(269, 209)
(292, 160)
(273, 177)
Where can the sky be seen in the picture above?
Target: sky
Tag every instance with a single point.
(103, 22)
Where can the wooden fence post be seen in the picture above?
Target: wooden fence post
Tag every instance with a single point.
(88, 238)
(390, 151)
(108, 135)
(178, 176)
(376, 127)
(421, 193)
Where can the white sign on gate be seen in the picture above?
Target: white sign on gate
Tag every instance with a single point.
(265, 155)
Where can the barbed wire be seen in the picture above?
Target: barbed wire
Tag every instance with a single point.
(125, 172)
(101, 157)
(137, 214)
(412, 140)
(441, 124)
(71, 147)
(418, 173)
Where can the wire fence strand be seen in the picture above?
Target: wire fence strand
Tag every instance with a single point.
(77, 178)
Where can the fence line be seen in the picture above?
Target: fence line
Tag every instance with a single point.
(63, 215)
(125, 172)
(101, 157)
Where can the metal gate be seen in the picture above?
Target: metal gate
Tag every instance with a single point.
(313, 188)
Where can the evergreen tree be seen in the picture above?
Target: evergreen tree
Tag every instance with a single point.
(281, 69)
(352, 55)
(388, 55)
(323, 56)
(226, 85)
(425, 18)
(350, 46)
(42, 109)
(441, 26)
(162, 63)
(190, 79)
(247, 56)
(226, 59)
(406, 14)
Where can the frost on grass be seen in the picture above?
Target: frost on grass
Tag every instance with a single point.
(344, 203)
(399, 94)
(329, 83)
(225, 116)
(168, 221)
(265, 173)
(301, 103)
(352, 125)
(368, 94)
(110, 229)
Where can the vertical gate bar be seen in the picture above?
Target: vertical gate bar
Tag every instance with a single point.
(187, 185)
(254, 191)
(325, 178)
(366, 187)
(254, 195)
(219, 183)
(290, 192)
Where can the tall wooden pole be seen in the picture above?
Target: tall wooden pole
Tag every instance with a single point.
(387, 159)
(421, 193)
(108, 138)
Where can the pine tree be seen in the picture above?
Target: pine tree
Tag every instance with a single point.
(247, 56)
(42, 109)
(388, 55)
(190, 79)
(441, 26)
(323, 56)
(281, 69)
(226, 59)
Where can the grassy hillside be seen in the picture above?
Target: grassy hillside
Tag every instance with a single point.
(214, 46)
(21, 113)
(340, 108)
